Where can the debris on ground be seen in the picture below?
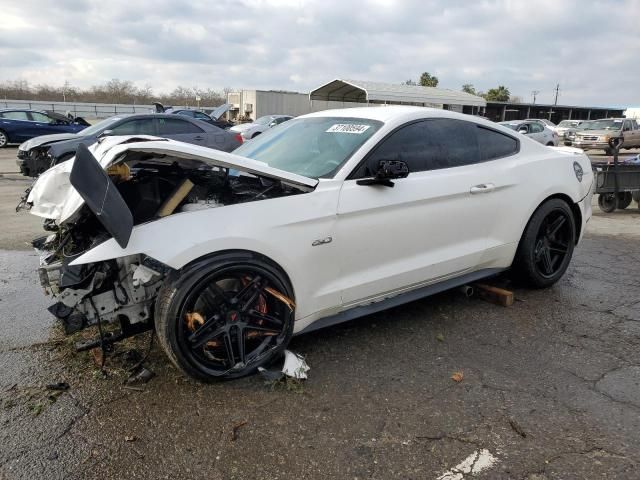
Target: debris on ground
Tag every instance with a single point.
(457, 377)
(140, 375)
(295, 365)
(59, 387)
(440, 337)
(130, 438)
(517, 428)
(236, 427)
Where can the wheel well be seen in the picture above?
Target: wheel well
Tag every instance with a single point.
(248, 254)
(574, 209)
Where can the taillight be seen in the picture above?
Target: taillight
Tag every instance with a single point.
(239, 138)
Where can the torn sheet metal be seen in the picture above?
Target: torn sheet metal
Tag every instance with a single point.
(53, 197)
(294, 365)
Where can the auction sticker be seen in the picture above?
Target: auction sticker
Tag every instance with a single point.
(348, 128)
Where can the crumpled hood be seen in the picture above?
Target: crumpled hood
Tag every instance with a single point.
(52, 195)
(46, 139)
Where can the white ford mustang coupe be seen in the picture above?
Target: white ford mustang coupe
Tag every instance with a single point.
(328, 217)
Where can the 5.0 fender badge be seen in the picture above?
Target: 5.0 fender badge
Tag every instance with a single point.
(321, 241)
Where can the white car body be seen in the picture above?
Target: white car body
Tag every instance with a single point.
(262, 124)
(347, 247)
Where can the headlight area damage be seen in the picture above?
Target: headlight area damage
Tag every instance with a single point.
(122, 182)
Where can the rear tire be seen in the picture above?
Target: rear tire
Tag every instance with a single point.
(241, 323)
(4, 139)
(546, 247)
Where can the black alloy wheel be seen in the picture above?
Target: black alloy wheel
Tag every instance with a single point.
(228, 322)
(546, 246)
(552, 243)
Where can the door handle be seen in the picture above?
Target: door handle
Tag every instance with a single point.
(482, 188)
(198, 138)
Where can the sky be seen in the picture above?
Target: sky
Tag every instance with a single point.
(591, 48)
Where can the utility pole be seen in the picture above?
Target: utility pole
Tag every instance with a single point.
(535, 94)
(555, 102)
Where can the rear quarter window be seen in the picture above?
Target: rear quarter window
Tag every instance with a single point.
(494, 144)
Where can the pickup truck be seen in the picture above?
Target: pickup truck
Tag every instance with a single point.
(596, 134)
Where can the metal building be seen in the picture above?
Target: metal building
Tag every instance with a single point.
(365, 92)
(501, 111)
(251, 104)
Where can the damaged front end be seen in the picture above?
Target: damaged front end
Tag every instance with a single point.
(104, 193)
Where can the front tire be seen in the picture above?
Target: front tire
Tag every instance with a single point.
(223, 317)
(4, 139)
(546, 246)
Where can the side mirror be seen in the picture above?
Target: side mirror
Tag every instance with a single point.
(523, 131)
(272, 124)
(387, 170)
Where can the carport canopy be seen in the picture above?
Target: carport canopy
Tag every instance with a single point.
(375, 92)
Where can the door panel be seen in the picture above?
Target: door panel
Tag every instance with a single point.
(429, 226)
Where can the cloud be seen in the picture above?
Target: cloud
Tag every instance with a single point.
(589, 48)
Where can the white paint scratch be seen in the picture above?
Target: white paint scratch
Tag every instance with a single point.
(474, 463)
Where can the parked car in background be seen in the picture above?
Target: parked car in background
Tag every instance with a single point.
(547, 123)
(597, 134)
(309, 234)
(570, 134)
(17, 126)
(262, 124)
(565, 126)
(40, 153)
(535, 130)
(213, 117)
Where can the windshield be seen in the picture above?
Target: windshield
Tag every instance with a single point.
(313, 147)
(568, 123)
(604, 125)
(98, 127)
(264, 120)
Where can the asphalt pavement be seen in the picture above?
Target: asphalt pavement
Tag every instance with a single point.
(550, 387)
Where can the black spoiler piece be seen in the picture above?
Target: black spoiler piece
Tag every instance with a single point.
(101, 195)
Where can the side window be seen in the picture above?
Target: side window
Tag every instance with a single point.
(627, 125)
(426, 145)
(16, 115)
(177, 126)
(139, 126)
(495, 144)
(535, 128)
(39, 117)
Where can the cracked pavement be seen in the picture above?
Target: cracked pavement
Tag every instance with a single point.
(551, 388)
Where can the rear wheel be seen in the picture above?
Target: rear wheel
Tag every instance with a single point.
(225, 316)
(4, 139)
(607, 201)
(546, 246)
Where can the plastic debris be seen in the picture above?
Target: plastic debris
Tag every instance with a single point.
(457, 377)
(294, 365)
(59, 387)
(142, 375)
